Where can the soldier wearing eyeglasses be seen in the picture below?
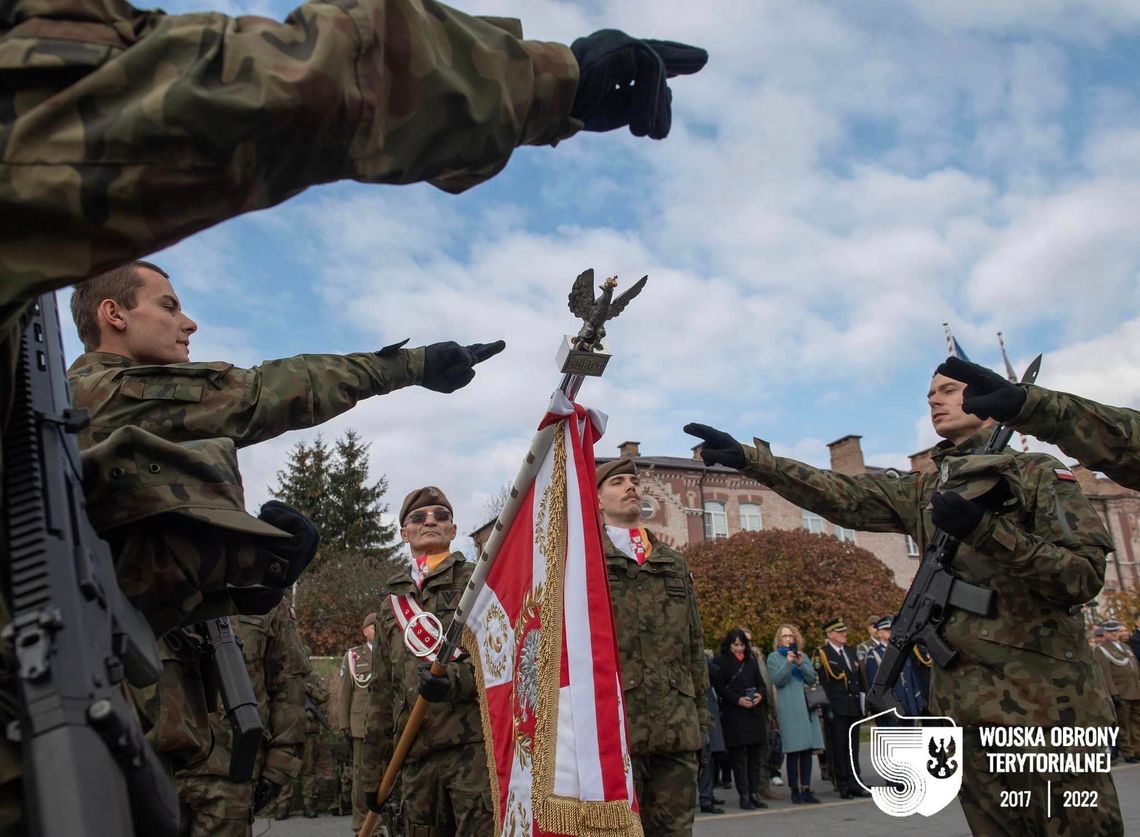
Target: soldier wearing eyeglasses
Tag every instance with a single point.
(445, 784)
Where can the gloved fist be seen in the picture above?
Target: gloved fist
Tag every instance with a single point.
(448, 366)
(434, 689)
(265, 792)
(287, 559)
(954, 514)
(370, 800)
(987, 394)
(717, 447)
(621, 81)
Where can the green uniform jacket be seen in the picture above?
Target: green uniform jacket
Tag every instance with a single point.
(184, 401)
(124, 131)
(352, 699)
(1100, 437)
(1030, 663)
(395, 682)
(664, 674)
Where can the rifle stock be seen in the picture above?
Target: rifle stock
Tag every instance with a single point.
(88, 769)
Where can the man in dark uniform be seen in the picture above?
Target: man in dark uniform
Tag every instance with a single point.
(907, 688)
(838, 670)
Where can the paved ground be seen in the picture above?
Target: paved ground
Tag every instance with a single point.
(834, 818)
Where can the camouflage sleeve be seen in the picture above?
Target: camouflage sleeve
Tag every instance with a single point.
(379, 723)
(286, 692)
(344, 695)
(186, 401)
(869, 502)
(1062, 549)
(1100, 437)
(315, 688)
(461, 677)
(202, 117)
(698, 665)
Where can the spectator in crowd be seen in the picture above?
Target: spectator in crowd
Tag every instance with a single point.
(790, 672)
(706, 780)
(870, 642)
(766, 790)
(741, 690)
(839, 673)
(1097, 637)
(1134, 639)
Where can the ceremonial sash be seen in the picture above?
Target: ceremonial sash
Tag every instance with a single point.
(419, 628)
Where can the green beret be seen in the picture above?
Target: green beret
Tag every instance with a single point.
(429, 495)
(133, 475)
(615, 466)
(977, 475)
(834, 625)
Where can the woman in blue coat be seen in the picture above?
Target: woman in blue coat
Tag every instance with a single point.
(789, 671)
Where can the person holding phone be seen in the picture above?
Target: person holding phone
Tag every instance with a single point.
(743, 717)
(790, 670)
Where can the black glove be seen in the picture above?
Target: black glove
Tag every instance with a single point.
(987, 394)
(717, 448)
(434, 689)
(622, 81)
(265, 792)
(285, 560)
(954, 514)
(447, 366)
(370, 800)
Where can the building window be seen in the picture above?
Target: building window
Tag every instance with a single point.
(716, 520)
(750, 519)
(647, 509)
(813, 522)
(845, 534)
(911, 547)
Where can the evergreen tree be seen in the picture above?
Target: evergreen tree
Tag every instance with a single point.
(356, 506)
(304, 483)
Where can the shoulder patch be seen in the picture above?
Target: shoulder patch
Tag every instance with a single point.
(1064, 474)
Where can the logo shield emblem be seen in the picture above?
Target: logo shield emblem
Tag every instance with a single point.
(922, 765)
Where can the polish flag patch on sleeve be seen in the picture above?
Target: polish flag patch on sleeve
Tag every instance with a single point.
(1064, 474)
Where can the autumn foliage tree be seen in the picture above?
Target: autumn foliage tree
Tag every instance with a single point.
(763, 579)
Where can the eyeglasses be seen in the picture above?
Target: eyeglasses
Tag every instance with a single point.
(418, 517)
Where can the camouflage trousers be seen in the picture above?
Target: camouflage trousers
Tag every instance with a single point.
(448, 794)
(993, 806)
(359, 807)
(666, 785)
(1128, 719)
(213, 806)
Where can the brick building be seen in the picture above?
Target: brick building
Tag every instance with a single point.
(686, 502)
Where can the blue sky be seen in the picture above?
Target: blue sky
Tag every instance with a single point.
(841, 180)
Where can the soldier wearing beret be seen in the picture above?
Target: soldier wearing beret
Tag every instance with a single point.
(1027, 532)
(352, 706)
(1122, 675)
(444, 781)
(661, 645)
(840, 676)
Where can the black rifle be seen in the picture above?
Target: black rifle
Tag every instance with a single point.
(88, 770)
(224, 672)
(934, 591)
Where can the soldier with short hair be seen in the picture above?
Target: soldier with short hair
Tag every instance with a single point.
(1122, 674)
(1028, 533)
(445, 783)
(661, 645)
(352, 706)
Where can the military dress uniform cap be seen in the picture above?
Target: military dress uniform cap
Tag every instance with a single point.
(1098, 631)
(1112, 625)
(616, 466)
(834, 625)
(370, 619)
(429, 495)
(884, 623)
(133, 475)
(975, 475)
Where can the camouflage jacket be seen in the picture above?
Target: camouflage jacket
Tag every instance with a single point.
(395, 676)
(1100, 437)
(185, 401)
(1029, 664)
(664, 673)
(123, 131)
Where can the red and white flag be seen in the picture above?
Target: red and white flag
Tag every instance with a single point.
(542, 635)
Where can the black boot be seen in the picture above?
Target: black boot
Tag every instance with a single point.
(746, 804)
(757, 800)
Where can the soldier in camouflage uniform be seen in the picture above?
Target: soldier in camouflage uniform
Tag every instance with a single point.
(444, 781)
(1100, 437)
(352, 708)
(212, 804)
(1028, 533)
(661, 645)
(316, 698)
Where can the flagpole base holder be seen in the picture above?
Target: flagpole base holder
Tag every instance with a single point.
(573, 361)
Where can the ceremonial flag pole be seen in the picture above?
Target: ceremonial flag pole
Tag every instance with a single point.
(578, 358)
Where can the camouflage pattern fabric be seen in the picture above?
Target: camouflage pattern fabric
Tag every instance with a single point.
(1100, 437)
(661, 645)
(315, 689)
(189, 401)
(110, 110)
(667, 792)
(1029, 664)
(449, 724)
(448, 792)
